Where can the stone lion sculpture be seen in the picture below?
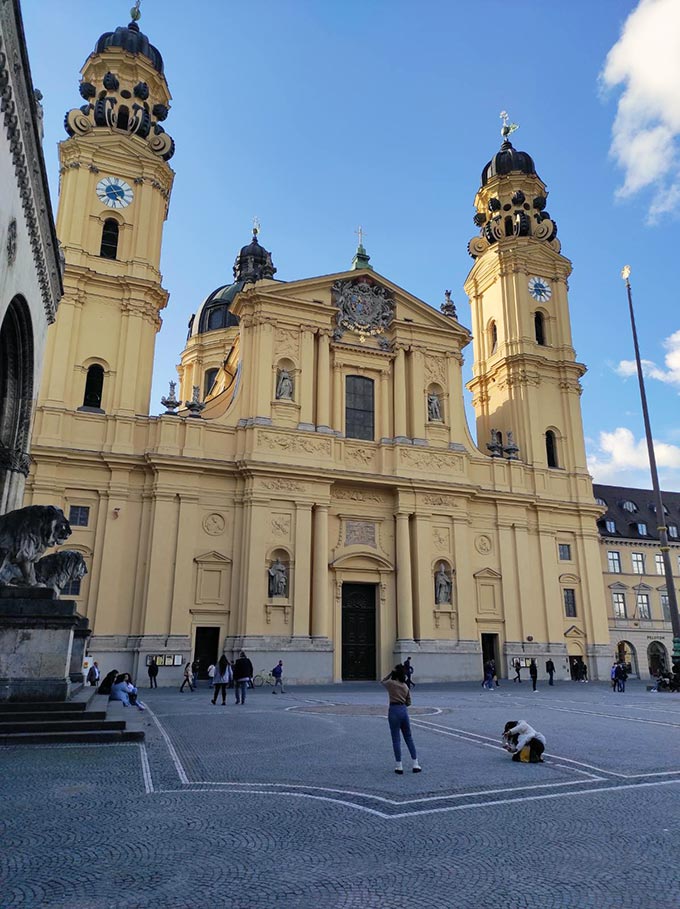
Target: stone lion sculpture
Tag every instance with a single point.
(25, 534)
(55, 570)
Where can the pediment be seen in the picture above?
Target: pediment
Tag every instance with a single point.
(411, 314)
(569, 579)
(487, 573)
(213, 557)
(351, 560)
(574, 632)
(619, 586)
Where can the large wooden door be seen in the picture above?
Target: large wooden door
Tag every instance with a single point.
(206, 649)
(358, 632)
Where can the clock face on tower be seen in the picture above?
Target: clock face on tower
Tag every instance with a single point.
(114, 192)
(540, 289)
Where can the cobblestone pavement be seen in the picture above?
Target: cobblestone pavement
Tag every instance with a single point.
(291, 801)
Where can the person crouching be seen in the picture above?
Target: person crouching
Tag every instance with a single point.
(523, 742)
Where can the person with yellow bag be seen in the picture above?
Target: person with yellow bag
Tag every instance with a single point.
(523, 742)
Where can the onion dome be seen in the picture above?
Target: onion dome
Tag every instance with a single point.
(131, 39)
(508, 161)
(253, 262)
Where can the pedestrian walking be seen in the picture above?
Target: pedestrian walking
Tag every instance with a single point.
(243, 673)
(621, 676)
(494, 674)
(397, 716)
(517, 667)
(195, 669)
(153, 672)
(613, 677)
(488, 676)
(408, 671)
(550, 669)
(220, 679)
(188, 677)
(93, 675)
(523, 742)
(533, 672)
(277, 672)
(584, 673)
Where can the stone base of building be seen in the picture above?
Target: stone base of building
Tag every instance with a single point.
(41, 641)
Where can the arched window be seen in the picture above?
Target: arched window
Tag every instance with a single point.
(493, 337)
(551, 448)
(123, 118)
(539, 328)
(94, 385)
(16, 395)
(109, 247)
(209, 381)
(359, 408)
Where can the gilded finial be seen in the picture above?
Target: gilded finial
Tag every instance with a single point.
(508, 128)
(625, 273)
(256, 226)
(135, 12)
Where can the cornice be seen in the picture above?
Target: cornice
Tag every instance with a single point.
(21, 117)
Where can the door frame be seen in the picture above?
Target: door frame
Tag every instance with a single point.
(374, 586)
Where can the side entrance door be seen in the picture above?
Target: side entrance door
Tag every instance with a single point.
(205, 649)
(358, 632)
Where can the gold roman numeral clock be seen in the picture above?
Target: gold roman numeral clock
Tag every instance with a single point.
(114, 192)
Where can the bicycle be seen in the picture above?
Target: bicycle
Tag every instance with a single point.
(263, 678)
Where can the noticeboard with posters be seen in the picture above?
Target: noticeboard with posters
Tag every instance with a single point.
(165, 659)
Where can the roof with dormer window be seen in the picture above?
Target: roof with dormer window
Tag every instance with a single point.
(629, 508)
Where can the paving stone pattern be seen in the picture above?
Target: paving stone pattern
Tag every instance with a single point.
(291, 801)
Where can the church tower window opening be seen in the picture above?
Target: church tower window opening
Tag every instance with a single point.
(123, 118)
(551, 449)
(109, 244)
(209, 381)
(539, 328)
(94, 387)
(359, 408)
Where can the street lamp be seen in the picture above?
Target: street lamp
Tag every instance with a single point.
(660, 511)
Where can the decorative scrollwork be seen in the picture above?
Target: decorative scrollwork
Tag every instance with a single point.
(362, 307)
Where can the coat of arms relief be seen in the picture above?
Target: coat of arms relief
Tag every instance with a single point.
(363, 308)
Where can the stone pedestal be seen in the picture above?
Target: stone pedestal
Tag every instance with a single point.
(81, 635)
(37, 649)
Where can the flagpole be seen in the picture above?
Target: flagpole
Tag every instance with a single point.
(660, 510)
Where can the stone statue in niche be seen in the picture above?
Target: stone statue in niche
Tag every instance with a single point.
(278, 579)
(434, 408)
(442, 586)
(284, 386)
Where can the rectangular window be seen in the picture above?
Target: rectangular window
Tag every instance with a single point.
(643, 606)
(665, 607)
(642, 528)
(638, 560)
(658, 561)
(569, 603)
(79, 516)
(610, 526)
(614, 561)
(619, 605)
(565, 552)
(673, 531)
(72, 589)
(359, 408)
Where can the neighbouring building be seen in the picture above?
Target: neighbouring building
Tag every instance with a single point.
(317, 496)
(635, 584)
(30, 272)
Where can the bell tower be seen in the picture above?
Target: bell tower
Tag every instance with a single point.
(525, 386)
(115, 184)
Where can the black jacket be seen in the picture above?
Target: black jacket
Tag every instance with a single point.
(243, 669)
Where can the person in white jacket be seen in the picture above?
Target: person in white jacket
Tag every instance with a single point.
(523, 742)
(220, 680)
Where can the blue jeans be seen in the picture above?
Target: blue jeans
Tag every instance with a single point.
(240, 692)
(398, 719)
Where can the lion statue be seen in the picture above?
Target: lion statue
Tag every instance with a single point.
(25, 534)
(55, 570)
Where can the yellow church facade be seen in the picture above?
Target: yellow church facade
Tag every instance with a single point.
(314, 493)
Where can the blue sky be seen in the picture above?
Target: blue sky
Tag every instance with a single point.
(320, 116)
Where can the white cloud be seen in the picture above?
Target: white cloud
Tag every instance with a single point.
(670, 375)
(620, 459)
(645, 61)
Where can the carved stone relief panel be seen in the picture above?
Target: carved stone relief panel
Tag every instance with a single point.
(441, 539)
(431, 462)
(294, 444)
(483, 544)
(286, 342)
(360, 533)
(280, 527)
(359, 495)
(214, 524)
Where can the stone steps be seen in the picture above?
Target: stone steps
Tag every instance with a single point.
(47, 722)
